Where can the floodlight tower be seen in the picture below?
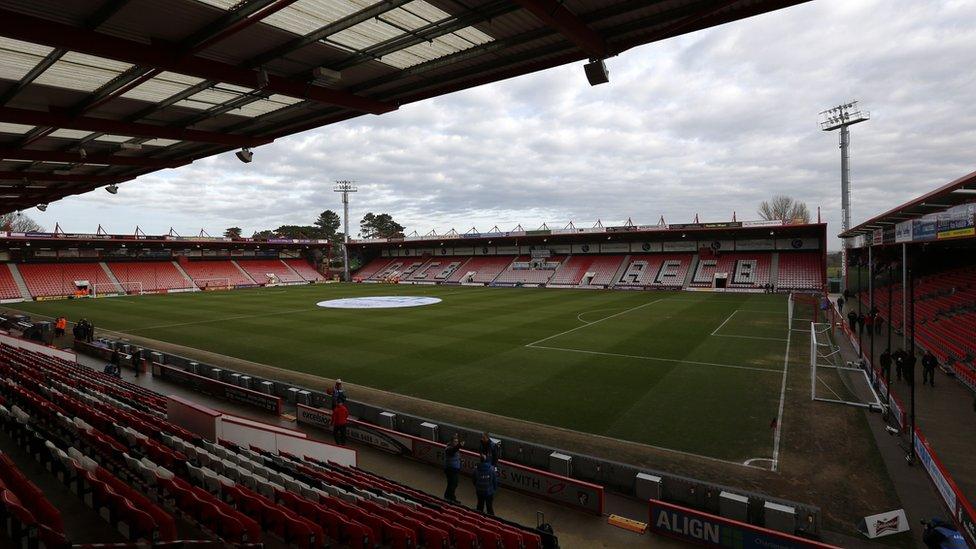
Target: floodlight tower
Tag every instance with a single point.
(345, 187)
(841, 117)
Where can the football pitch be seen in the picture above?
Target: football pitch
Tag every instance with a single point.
(694, 372)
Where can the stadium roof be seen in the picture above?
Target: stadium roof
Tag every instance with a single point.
(960, 191)
(95, 93)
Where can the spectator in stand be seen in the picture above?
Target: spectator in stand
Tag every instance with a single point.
(885, 360)
(840, 304)
(852, 320)
(929, 363)
(485, 485)
(489, 448)
(900, 357)
(452, 467)
(340, 422)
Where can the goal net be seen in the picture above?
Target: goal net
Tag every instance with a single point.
(108, 289)
(832, 379)
(212, 283)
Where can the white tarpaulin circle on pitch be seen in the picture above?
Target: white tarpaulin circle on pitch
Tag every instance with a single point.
(378, 302)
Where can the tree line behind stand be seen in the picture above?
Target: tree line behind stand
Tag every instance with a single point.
(326, 227)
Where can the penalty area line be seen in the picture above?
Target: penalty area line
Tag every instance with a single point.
(654, 358)
(571, 330)
(724, 322)
(751, 337)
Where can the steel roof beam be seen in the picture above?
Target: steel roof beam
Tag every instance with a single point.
(556, 15)
(70, 178)
(40, 118)
(93, 158)
(161, 56)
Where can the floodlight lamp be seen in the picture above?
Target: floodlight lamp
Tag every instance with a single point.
(42, 207)
(245, 155)
(112, 189)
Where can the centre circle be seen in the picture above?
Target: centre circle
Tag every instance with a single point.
(378, 302)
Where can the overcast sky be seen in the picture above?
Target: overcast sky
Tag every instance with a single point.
(707, 123)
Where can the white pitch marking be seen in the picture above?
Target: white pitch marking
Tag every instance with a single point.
(654, 358)
(724, 322)
(752, 337)
(209, 320)
(578, 316)
(782, 398)
(749, 462)
(592, 323)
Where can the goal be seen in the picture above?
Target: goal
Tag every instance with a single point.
(109, 289)
(212, 283)
(834, 380)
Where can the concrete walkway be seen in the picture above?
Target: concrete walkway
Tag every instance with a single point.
(918, 495)
(945, 413)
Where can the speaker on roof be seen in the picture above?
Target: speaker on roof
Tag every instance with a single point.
(596, 72)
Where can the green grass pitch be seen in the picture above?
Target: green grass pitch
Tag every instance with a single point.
(695, 372)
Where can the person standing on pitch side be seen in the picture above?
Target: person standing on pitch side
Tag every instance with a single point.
(900, 356)
(909, 368)
(885, 360)
(928, 368)
(840, 304)
(485, 485)
(452, 467)
(340, 422)
(489, 448)
(338, 394)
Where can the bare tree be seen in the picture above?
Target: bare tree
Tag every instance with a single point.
(785, 209)
(18, 222)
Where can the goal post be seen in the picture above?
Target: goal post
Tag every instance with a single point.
(110, 289)
(834, 380)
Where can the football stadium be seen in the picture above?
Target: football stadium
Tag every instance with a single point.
(770, 380)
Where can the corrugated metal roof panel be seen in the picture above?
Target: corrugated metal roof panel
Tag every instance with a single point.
(160, 142)
(6, 127)
(70, 134)
(78, 71)
(18, 58)
(113, 138)
(162, 87)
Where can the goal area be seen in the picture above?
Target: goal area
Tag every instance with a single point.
(110, 289)
(834, 380)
